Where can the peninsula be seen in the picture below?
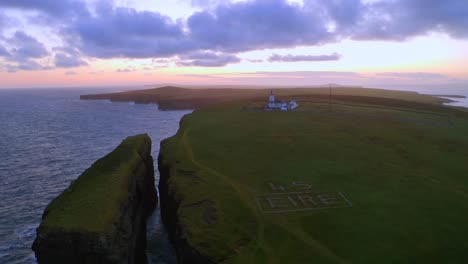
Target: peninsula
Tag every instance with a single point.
(342, 183)
(347, 171)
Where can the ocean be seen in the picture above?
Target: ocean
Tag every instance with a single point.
(48, 137)
(451, 89)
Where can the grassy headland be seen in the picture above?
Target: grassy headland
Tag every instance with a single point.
(172, 98)
(378, 177)
(93, 202)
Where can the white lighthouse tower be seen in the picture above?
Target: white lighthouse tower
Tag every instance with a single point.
(271, 101)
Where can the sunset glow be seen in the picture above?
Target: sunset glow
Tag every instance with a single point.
(40, 46)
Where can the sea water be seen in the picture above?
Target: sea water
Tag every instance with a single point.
(48, 137)
(440, 90)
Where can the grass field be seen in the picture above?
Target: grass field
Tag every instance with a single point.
(341, 184)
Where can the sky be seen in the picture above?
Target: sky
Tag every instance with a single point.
(48, 43)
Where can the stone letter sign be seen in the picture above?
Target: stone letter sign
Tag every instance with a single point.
(298, 201)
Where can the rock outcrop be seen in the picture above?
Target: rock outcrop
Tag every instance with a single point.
(101, 217)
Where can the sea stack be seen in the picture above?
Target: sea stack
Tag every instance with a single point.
(101, 216)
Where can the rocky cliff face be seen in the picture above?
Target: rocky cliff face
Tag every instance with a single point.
(101, 217)
(185, 252)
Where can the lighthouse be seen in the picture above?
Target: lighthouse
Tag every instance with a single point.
(279, 105)
(271, 101)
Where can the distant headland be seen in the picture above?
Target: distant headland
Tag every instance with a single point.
(177, 98)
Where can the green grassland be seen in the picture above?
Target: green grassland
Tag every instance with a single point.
(93, 202)
(407, 180)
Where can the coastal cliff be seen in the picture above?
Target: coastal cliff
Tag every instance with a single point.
(185, 252)
(170, 204)
(101, 216)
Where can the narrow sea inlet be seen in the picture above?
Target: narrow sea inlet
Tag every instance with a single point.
(48, 137)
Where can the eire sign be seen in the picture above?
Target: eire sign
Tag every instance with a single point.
(305, 199)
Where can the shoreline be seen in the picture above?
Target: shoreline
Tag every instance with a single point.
(449, 96)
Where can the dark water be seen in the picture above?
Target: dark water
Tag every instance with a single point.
(47, 139)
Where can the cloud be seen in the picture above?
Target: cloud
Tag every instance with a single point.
(307, 74)
(284, 75)
(125, 32)
(208, 59)
(159, 61)
(233, 27)
(129, 69)
(63, 60)
(2, 21)
(26, 50)
(7, 21)
(4, 52)
(27, 65)
(257, 24)
(26, 47)
(71, 73)
(203, 76)
(260, 24)
(222, 29)
(402, 19)
(297, 58)
(413, 75)
(230, 28)
(62, 8)
(254, 60)
(339, 15)
(206, 3)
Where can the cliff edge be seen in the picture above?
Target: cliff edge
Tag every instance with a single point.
(193, 210)
(101, 216)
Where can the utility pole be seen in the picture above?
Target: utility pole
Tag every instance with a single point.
(329, 97)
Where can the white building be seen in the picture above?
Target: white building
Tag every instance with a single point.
(280, 105)
(293, 104)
